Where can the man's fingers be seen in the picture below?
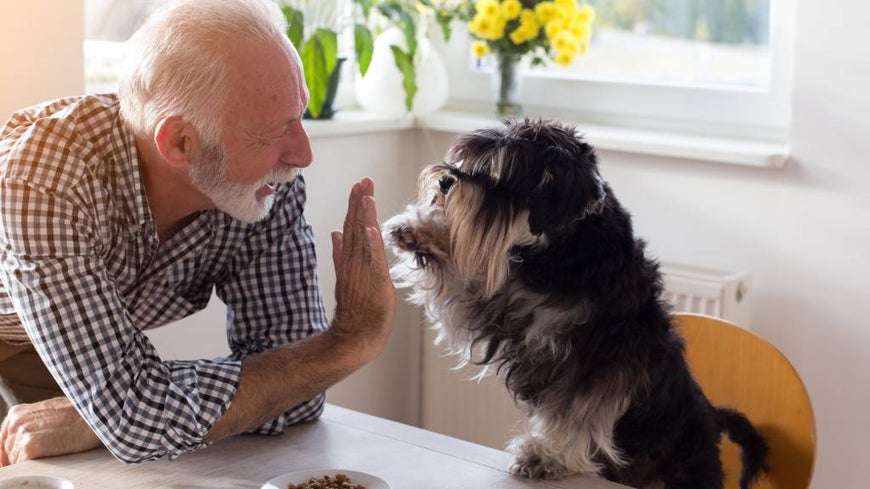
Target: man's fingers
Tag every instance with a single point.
(370, 212)
(376, 244)
(367, 186)
(6, 439)
(336, 248)
(14, 456)
(352, 206)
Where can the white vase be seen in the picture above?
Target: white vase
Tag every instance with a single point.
(381, 90)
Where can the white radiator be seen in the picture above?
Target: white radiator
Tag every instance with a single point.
(708, 291)
(483, 412)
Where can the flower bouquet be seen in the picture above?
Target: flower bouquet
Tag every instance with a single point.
(543, 30)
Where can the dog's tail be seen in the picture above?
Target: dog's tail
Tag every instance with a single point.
(753, 448)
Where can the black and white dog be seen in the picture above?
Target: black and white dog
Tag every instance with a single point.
(526, 263)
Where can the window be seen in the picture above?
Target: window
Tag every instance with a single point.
(723, 42)
(699, 66)
(108, 24)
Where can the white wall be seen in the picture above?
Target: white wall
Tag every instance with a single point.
(41, 52)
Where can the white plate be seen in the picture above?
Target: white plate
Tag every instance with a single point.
(37, 482)
(298, 477)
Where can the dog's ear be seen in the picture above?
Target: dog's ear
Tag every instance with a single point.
(569, 188)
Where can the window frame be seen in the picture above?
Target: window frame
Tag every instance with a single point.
(752, 113)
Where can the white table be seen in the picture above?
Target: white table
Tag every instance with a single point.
(405, 456)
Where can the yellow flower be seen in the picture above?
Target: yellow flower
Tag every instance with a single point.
(585, 15)
(474, 26)
(479, 48)
(489, 8)
(491, 28)
(581, 31)
(523, 33)
(570, 7)
(527, 16)
(544, 11)
(563, 58)
(511, 9)
(565, 42)
(559, 12)
(553, 28)
(497, 31)
(518, 37)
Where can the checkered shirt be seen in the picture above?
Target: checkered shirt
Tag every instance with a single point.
(84, 272)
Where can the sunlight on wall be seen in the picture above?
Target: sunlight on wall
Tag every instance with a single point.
(41, 49)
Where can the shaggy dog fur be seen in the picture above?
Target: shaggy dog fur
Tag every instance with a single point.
(527, 264)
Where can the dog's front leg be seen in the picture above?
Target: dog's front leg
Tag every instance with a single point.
(552, 447)
(532, 459)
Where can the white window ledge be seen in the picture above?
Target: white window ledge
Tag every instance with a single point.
(729, 150)
(356, 121)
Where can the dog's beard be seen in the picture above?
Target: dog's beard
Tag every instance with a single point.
(453, 253)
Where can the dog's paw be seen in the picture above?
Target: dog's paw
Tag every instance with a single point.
(534, 467)
(402, 236)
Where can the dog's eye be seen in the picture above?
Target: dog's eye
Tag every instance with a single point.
(446, 182)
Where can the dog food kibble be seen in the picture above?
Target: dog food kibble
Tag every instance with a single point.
(340, 481)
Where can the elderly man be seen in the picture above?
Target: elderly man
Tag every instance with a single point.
(121, 213)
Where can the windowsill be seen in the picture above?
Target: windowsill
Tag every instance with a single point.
(728, 150)
(357, 121)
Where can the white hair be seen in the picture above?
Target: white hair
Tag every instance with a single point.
(175, 64)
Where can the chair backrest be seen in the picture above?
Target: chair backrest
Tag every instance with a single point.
(739, 369)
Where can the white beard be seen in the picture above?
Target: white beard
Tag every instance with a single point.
(209, 175)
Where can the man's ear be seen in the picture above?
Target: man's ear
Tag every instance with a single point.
(177, 141)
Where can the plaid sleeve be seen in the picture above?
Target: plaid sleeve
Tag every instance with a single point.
(140, 407)
(272, 292)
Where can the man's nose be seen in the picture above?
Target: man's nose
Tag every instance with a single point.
(298, 151)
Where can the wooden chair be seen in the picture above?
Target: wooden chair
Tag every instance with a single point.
(738, 368)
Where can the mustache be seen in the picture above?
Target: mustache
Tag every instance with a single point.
(279, 176)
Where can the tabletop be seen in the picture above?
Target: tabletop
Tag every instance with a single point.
(405, 456)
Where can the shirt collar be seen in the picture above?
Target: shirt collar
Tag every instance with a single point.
(130, 182)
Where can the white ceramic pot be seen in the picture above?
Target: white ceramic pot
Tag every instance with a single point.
(381, 91)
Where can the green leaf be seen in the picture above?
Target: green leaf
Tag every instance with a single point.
(444, 20)
(316, 79)
(319, 59)
(295, 25)
(404, 21)
(366, 6)
(405, 63)
(363, 44)
(409, 28)
(329, 40)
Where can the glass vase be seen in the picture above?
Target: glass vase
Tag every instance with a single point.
(506, 85)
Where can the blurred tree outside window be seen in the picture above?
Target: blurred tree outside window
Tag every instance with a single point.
(717, 42)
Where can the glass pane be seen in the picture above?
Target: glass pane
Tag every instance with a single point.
(720, 42)
(108, 24)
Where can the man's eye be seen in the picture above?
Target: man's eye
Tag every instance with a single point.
(446, 182)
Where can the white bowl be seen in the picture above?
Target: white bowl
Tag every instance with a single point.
(298, 477)
(35, 482)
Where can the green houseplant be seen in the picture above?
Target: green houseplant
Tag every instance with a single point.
(409, 17)
(313, 27)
